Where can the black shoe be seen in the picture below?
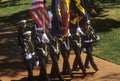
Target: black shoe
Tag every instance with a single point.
(30, 79)
(61, 79)
(87, 67)
(64, 73)
(71, 75)
(53, 75)
(96, 69)
(48, 79)
(75, 69)
(84, 71)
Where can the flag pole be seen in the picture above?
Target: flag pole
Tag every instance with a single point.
(77, 20)
(44, 23)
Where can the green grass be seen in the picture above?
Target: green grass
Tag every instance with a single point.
(10, 7)
(108, 47)
(12, 11)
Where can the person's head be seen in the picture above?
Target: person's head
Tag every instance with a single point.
(27, 35)
(22, 23)
(40, 31)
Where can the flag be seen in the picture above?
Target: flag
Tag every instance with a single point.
(77, 15)
(64, 7)
(56, 21)
(39, 13)
(77, 6)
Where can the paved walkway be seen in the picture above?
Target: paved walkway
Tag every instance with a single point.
(12, 68)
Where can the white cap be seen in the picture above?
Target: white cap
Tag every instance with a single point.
(39, 29)
(23, 21)
(27, 33)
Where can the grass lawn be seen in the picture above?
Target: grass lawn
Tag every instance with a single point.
(107, 26)
(109, 31)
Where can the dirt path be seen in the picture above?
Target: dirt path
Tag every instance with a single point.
(12, 67)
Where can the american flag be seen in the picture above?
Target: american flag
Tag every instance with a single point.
(39, 13)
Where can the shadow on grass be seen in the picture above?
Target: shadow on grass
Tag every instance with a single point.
(109, 1)
(105, 25)
(11, 3)
(15, 18)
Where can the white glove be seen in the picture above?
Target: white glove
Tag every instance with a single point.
(79, 30)
(69, 34)
(45, 38)
(98, 38)
(84, 50)
(37, 63)
(28, 56)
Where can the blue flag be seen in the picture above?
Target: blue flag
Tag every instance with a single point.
(56, 21)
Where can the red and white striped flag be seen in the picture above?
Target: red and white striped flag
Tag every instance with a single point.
(37, 11)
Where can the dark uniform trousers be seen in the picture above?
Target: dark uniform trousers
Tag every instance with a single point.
(30, 63)
(55, 72)
(65, 51)
(89, 35)
(43, 76)
(89, 57)
(77, 64)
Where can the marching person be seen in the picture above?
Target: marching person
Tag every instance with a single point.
(22, 28)
(41, 51)
(53, 36)
(88, 39)
(29, 54)
(54, 54)
(75, 41)
(65, 51)
(76, 46)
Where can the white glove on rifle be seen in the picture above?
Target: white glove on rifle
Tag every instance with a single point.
(28, 56)
(37, 63)
(79, 30)
(98, 38)
(45, 38)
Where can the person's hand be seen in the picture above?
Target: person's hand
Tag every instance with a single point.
(28, 56)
